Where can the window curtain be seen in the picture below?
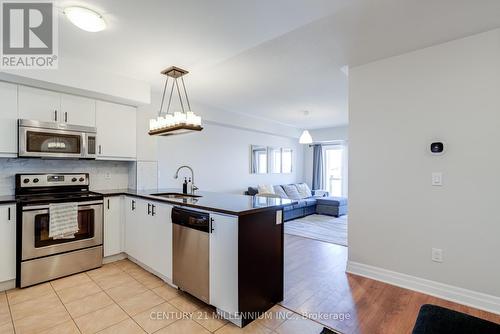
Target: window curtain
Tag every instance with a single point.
(318, 180)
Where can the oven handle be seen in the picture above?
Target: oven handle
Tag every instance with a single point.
(85, 205)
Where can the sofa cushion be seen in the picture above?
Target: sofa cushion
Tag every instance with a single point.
(278, 190)
(300, 204)
(291, 191)
(334, 201)
(252, 191)
(265, 189)
(304, 190)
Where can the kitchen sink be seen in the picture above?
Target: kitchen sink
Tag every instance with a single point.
(175, 195)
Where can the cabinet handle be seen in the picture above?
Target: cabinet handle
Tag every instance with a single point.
(108, 204)
(66, 117)
(133, 205)
(153, 211)
(100, 150)
(211, 225)
(55, 115)
(8, 214)
(149, 208)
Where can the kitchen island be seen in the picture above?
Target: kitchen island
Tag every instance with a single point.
(245, 252)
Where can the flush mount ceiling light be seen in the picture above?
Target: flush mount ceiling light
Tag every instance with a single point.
(180, 121)
(85, 19)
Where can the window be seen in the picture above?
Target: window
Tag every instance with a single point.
(335, 160)
(286, 158)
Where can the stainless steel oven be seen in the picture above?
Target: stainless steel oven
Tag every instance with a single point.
(42, 258)
(56, 140)
(36, 242)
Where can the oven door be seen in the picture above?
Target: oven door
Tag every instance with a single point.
(51, 143)
(35, 230)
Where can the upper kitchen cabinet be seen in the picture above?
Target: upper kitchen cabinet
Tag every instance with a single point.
(116, 131)
(8, 119)
(78, 110)
(39, 105)
(48, 106)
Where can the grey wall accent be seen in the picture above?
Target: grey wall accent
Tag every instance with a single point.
(118, 171)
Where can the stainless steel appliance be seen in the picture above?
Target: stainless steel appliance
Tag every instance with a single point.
(41, 258)
(55, 140)
(191, 251)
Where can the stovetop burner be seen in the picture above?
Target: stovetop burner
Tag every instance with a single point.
(59, 197)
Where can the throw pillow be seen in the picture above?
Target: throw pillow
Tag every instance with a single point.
(278, 190)
(265, 189)
(304, 190)
(291, 191)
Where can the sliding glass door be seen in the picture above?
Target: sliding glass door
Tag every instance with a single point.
(335, 160)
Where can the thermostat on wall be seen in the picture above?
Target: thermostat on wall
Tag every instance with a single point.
(437, 148)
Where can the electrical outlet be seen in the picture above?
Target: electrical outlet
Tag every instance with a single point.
(437, 179)
(107, 176)
(437, 255)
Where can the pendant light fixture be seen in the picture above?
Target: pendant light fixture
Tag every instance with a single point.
(305, 137)
(180, 121)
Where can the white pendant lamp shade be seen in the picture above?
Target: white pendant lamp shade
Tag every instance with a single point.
(305, 138)
(85, 19)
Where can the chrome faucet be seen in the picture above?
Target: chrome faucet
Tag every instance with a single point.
(176, 176)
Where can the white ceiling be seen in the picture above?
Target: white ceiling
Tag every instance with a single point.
(271, 59)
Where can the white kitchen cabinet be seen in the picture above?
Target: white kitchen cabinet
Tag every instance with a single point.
(78, 110)
(116, 131)
(7, 242)
(39, 105)
(113, 225)
(223, 262)
(160, 236)
(49, 106)
(135, 214)
(8, 119)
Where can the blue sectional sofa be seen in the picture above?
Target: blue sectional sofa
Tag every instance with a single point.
(308, 202)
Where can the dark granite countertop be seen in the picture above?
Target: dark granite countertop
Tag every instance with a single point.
(231, 204)
(5, 199)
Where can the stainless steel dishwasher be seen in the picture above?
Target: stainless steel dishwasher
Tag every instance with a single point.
(191, 251)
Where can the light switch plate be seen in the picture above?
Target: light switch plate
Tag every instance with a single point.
(437, 179)
(437, 255)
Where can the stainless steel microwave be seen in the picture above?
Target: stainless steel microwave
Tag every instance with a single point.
(55, 140)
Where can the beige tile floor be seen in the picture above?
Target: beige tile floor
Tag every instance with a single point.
(122, 298)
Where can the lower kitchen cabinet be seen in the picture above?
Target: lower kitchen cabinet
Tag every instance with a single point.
(148, 234)
(223, 262)
(7, 242)
(113, 225)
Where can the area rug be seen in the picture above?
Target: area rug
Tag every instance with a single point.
(320, 227)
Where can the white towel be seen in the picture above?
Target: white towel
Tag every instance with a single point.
(63, 220)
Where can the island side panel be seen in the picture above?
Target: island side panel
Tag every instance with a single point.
(260, 261)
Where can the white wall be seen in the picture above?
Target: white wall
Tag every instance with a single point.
(103, 174)
(397, 107)
(321, 135)
(220, 157)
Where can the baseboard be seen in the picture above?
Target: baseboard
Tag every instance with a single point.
(113, 258)
(452, 293)
(7, 285)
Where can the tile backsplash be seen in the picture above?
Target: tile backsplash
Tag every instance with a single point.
(103, 174)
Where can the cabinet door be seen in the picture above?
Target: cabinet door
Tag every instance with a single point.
(160, 254)
(39, 105)
(7, 242)
(135, 219)
(78, 110)
(224, 262)
(8, 118)
(113, 226)
(116, 131)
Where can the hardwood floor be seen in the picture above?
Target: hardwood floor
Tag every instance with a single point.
(316, 283)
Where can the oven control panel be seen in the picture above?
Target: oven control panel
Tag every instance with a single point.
(53, 180)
